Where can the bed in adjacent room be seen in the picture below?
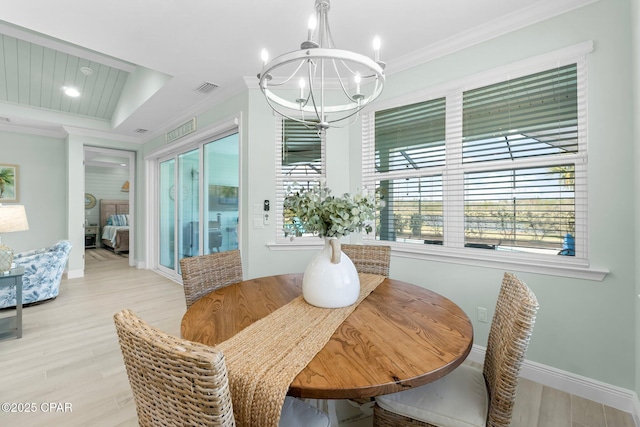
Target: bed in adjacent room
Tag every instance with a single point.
(114, 224)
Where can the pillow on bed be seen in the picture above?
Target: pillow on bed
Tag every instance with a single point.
(118, 220)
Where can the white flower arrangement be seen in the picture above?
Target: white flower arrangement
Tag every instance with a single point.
(316, 211)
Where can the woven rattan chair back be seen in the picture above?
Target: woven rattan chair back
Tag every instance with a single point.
(371, 259)
(174, 381)
(205, 273)
(509, 337)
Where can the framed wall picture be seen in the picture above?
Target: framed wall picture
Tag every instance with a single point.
(9, 183)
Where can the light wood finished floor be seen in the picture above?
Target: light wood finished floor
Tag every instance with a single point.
(69, 355)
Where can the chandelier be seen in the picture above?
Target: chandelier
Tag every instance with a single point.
(319, 85)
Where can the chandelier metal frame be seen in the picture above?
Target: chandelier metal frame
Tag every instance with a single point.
(322, 68)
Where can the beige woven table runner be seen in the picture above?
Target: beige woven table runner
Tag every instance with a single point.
(265, 357)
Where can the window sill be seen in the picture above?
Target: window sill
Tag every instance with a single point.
(566, 267)
(297, 244)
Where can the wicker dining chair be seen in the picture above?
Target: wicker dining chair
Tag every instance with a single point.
(178, 382)
(468, 395)
(205, 273)
(174, 381)
(374, 259)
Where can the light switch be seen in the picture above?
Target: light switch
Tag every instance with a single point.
(482, 314)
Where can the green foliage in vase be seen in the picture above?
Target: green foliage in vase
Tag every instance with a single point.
(318, 212)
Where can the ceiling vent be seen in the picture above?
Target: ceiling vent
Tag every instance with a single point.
(139, 130)
(206, 87)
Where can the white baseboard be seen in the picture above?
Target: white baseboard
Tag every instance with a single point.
(606, 394)
(75, 274)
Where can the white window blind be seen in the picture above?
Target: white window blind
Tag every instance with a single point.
(531, 208)
(300, 161)
(410, 137)
(534, 115)
(413, 210)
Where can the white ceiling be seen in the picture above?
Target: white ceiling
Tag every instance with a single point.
(182, 44)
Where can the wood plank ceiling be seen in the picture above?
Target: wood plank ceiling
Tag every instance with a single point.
(35, 76)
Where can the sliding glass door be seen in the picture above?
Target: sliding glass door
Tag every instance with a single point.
(199, 211)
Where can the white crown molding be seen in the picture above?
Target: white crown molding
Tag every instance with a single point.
(72, 130)
(251, 82)
(522, 18)
(606, 394)
(33, 131)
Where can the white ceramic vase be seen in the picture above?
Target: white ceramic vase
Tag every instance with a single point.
(330, 279)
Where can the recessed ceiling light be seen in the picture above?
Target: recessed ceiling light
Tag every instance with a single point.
(71, 91)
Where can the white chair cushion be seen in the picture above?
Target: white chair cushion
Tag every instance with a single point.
(296, 413)
(459, 399)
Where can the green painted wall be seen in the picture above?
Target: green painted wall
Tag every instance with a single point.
(583, 327)
(635, 20)
(42, 188)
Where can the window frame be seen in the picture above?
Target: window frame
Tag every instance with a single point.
(454, 169)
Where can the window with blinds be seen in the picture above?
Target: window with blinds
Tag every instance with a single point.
(413, 210)
(535, 115)
(531, 208)
(300, 162)
(410, 137)
(301, 152)
(499, 167)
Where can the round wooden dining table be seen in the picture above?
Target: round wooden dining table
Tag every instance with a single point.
(400, 336)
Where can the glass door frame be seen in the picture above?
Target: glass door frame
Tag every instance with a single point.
(152, 166)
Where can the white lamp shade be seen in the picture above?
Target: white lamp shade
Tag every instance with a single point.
(13, 218)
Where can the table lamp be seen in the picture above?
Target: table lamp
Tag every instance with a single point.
(12, 218)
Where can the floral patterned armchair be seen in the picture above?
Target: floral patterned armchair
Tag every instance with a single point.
(43, 270)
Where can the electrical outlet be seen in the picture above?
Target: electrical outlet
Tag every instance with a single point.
(267, 221)
(482, 314)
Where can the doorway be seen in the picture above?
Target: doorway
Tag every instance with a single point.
(197, 201)
(109, 175)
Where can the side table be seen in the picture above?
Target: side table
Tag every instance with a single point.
(13, 278)
(91, 236)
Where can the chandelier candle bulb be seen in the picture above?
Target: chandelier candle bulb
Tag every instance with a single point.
(376, 49)
(313, 22)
